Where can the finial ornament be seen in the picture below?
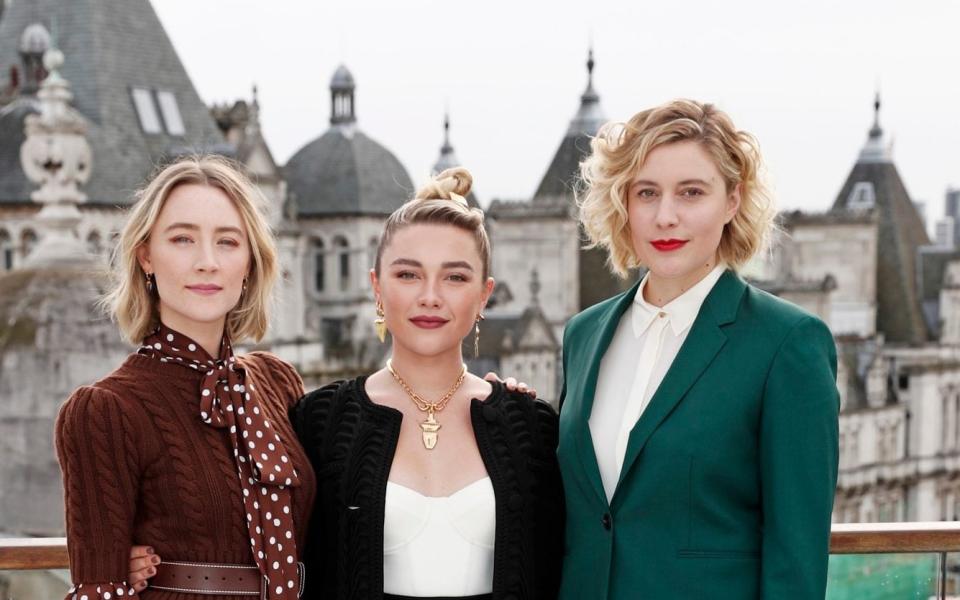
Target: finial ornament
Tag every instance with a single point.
(57, 157)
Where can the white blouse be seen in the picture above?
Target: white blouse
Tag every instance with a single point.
(643, 347)
(439, 546)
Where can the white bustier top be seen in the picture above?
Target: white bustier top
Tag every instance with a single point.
(439, 546)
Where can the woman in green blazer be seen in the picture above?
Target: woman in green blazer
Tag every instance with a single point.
(698, 427)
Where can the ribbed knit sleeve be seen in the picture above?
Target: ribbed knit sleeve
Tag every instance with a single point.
(281, 374)
(97, 449)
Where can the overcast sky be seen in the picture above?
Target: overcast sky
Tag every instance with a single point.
(800, 76)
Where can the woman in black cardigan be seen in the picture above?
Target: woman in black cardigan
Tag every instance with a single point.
(432, 483)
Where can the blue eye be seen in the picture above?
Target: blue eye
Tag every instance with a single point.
(180, 239)
(647, 193)
(406, 275)
(229, 242)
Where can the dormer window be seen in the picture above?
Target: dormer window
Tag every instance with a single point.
(146, 110)
(862, 197)
(170, 112)
(158, 111)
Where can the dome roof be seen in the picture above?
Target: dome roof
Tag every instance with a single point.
(35, 39)
(344, 172)
(342, 78)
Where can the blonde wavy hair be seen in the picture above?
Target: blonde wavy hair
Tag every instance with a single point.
(440, 202)
(134, 308)
(620, 149)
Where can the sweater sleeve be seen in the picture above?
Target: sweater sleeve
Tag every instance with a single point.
(283, 375)
(96, 447)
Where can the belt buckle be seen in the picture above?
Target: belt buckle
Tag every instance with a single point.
(302, 572)
(301, 575)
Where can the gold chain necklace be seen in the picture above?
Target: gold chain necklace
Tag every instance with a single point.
(430, 427)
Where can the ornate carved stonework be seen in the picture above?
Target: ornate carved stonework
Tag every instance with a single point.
(58, 158)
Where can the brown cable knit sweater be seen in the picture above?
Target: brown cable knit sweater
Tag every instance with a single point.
(140, 467)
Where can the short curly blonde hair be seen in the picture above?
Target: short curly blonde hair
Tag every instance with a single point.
(620, 149)
(135, 308)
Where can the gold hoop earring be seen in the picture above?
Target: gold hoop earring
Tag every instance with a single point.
(476, 336)
(380, 324)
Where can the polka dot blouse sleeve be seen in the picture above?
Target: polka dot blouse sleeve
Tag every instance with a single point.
(97, 450)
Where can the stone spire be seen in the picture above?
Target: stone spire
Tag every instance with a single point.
(253, 117)
(590, 116)
(876, 149)
(447, 158)
(57, 157)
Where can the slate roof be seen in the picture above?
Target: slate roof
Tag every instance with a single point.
(900, 235)
(504, 334)
(345, 173)
(110, 46)
(556, 194)
(933, 262)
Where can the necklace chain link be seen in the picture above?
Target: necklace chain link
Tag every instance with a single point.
(423, 405)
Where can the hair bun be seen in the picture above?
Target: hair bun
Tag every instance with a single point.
(450, 184)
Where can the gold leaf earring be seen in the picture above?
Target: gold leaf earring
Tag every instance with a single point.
(380, 324)
(476, 336)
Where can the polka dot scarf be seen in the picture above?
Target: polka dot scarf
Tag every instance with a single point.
(266, 473)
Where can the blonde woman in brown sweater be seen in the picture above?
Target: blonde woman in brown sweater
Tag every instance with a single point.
(186, 446)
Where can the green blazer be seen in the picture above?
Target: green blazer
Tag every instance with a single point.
(728, 480)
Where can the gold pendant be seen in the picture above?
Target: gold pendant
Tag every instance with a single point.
(430, 428)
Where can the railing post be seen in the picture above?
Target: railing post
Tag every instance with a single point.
(942, 583)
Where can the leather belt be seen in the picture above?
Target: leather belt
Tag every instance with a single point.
(213, 579)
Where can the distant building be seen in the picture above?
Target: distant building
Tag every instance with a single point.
(892, 299)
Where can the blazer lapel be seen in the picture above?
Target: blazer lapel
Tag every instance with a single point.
(704, 341)
(584, 357)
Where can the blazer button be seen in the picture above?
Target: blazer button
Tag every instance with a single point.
(607, 521)
(489, 414)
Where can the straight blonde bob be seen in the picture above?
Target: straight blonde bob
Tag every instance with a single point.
(620, 149)
(134, 308)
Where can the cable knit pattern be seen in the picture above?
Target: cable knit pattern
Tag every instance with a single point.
(351, 442)
(140, 467)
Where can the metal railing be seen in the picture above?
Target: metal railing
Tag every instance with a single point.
(938, 538)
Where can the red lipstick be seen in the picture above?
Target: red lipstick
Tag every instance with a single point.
(668, 245)
(428, 322)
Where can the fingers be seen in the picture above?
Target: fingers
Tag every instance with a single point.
(140, 576)
(139, 551)
(512, 384)
(143, 566)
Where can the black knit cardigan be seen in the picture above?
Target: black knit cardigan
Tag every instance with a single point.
(351, 441)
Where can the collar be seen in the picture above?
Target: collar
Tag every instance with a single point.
(681, 311)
